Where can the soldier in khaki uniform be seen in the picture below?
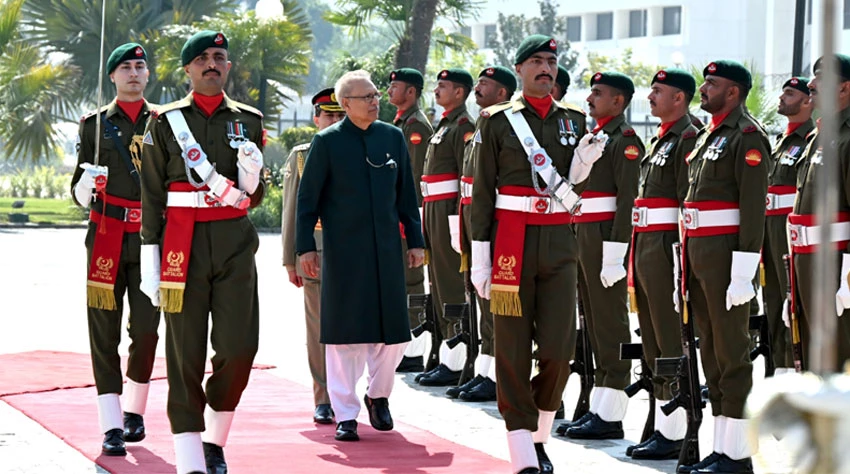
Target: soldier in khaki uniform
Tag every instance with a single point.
(795, 104)
(440, 185)
(801, 220)
(723, 222)
(326, 112)
(195, 215)
(112, 245)
(495, 84)
(661, 191)
(603, 229)
(404, 93)
(523, 248)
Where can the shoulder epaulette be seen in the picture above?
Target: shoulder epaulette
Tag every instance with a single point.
(93, 113)
(494, 109)
(165, 108)
(629, 132)
(689, 134)
(248, 108)
(301, 147)
(750, 129)
(572, 107)
(464, 119)
(411, 119)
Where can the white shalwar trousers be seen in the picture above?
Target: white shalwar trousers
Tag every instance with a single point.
(345, 364)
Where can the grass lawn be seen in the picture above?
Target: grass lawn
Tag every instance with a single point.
(44, 211)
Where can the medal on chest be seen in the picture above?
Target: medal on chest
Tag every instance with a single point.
(236, 133)
(817, 159)
(715, 149)
(661, 155)
(789, 157)
(567, 132)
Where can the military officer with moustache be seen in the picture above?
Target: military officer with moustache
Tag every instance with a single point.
(794, 103)
(440, 186)
(802, 219)
(404, 93)
(202, 163)
(112, 244)
(723, 221)
(326, 112)
(661, 191)
(495, 84)
(528, 173)
(603, 228)
(562, 83)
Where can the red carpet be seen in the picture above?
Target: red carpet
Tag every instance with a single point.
(43, 371)
(272, 433)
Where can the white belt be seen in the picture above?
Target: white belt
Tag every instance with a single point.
(465, 190)
(192, 199)
(529, 204)
(440, 187)
(695, 218)
(779, 201)
(802, 236)
(597, 205)
(645, 216)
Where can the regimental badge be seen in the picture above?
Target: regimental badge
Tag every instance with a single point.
(539, 160)
(753, 157)
(139, 53)
(661, 75)
(415, 138)
(467, 136)
(148, 140)
(219, 39)
(631, 152)
(477, 137)
(237, 133)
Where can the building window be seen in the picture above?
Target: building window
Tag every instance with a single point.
(489, 36)
(574, 28)
(672, 21)
(604, 26)
(847, 14)
(637, 23)
(809, 12)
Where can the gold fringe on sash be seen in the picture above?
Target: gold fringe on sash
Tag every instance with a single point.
(464, 262)
(505, 303)
(633, 307)
(762, 278)
(100, 297)
(427, 257)
(171, 299)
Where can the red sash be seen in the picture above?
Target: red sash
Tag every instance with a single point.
(177, 244)
(106, 251)
(507, 256)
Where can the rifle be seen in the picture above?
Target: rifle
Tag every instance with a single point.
(687, 388)
(427, 322)
(582, 363)
(465, 316)
(632, 351)
(796, 342)
(758, 322)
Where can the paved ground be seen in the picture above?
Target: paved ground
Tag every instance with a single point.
(42, 288)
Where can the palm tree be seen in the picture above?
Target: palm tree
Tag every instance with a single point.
(34, 93)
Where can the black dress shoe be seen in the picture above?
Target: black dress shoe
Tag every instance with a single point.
(324, 414)
(379, 413)
(425, 374)
(214, 457)
(441, 377)
(483, 392)
(725, 464)
(454, 392)
(597, 428)
(559, 415)
(563, 427)
(346, 431)
(410, 364)
(530, 470)
(687, 468)
(658, 448)
(545, 464)
(134, 427)
(113, 443)
(631, 448)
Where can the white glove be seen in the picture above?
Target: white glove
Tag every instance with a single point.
(482, 268)
(250, 163)
(744, 267)
(454, 230)
(150, 268)
(613, 270)
(84, 189)
(842, 297)
(786, 313)
(589, 150)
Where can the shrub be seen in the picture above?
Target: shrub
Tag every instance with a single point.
(268, 213)
(18, 187)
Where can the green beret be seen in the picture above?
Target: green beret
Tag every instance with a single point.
(125, 52)
(199, 42)
(325, 100)
(563, 78)
(502, 75)
(534, 44)
(678, 78)
(843, 66)
(799, 83)
(408, 75)
(456, 75)
(732, 70)
(614, 79)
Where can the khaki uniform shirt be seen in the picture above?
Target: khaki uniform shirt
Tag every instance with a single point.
(291, 180)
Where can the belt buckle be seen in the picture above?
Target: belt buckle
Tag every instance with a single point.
(639, 216)
(132, 215)
(770, 201)
(690, 218)
(423, 187)
(208, 199)
(797, 235)
(540, 205)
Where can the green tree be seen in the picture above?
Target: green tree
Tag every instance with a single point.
(640, 73)
(512, 29)
(379, 66)
(34, 93)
